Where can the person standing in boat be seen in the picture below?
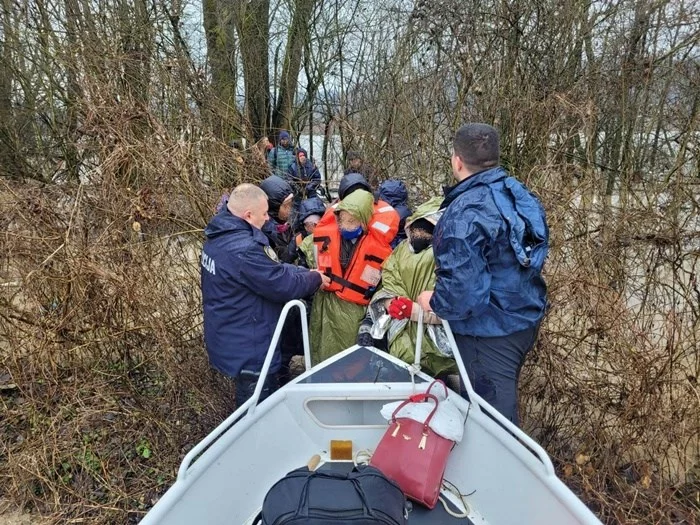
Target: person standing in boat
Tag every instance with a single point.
(244, 287)
(349, 183)
(350, 243)
(408, 271)
(490, 246)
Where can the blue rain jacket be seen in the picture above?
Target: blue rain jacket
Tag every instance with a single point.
(490, 246)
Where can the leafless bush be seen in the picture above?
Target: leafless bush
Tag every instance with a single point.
(105, 380)
(611, 390)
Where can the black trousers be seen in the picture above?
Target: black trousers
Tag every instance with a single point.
(246, 382)
(493, 365)
(291, 343)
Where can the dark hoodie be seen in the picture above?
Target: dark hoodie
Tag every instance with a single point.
(278, 232)
(277, 190)
(312, 206)
(351, 182)
(304, 178)
(243, 292)
(395, 193)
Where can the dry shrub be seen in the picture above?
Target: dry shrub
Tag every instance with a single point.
(105, 382)
(611, 390)
(104, 378)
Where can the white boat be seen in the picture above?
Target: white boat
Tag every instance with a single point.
(505, 476)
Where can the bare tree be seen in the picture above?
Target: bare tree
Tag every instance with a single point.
(297, 44)
(253, 25)
(222, 56)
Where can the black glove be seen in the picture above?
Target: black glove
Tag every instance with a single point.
(364, 337)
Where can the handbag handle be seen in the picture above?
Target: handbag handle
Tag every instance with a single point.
(417, 398)
(437, 382)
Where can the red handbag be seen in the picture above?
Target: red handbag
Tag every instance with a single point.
(413, 455)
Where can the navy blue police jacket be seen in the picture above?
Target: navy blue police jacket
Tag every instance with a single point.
(244, 288)
(490, 246)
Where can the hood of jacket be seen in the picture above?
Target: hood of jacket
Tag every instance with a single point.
(394, 192)
(360, 204)
(311, 206)
(528, 232)
(429, 210)
(277, 190)
(349, 180)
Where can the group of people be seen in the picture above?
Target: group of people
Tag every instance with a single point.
(368, 265)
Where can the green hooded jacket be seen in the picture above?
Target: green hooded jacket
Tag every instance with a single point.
(407, 274)
(307, 248)
(335, 322)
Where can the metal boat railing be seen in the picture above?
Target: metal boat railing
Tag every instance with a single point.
(249, 407)
(477, 401)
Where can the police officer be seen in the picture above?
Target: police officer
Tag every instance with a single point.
(490, 245)
(244, 287)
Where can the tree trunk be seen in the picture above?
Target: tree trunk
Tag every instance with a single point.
(296, 42)
(12, 163)
(221, 54)
(70, 151)
(136, 38)
(252, 22)
(6, 144)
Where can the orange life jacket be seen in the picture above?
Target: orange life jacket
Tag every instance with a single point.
(363, 273)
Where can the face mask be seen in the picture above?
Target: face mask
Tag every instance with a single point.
(418, 244)
(351, 234)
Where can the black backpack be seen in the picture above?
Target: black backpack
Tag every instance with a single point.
(363, 496)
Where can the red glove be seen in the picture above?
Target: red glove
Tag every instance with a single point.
(400, 308)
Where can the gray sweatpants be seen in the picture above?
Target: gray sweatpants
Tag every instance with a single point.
(493, 365)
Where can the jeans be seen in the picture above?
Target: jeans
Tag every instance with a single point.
(246, 382)
(493, 365)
